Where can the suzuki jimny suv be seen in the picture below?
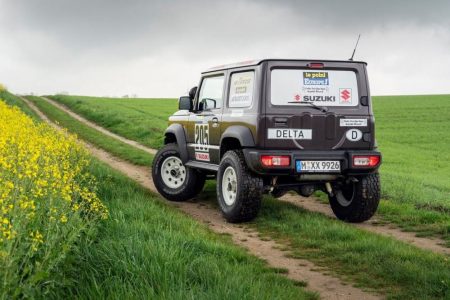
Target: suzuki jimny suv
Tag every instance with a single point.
(272, 126)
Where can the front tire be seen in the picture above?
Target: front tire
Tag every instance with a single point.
(357, 202)
(173, 180)
(239, 192)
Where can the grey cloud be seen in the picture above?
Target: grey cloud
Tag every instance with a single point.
(159, 47)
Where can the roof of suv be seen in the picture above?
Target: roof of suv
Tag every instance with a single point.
(258, 61)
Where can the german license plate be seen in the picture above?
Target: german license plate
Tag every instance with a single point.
(318, 166)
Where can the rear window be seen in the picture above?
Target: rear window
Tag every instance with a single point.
(323, 88)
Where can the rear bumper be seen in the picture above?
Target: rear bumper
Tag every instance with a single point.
(252, 158)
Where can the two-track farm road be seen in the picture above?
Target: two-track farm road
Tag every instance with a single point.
(327, 286)
(432, 244)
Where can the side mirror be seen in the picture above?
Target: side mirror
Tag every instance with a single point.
(192, 92)
(185, 103)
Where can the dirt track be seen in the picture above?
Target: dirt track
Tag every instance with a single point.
(99, 128)
(373, 225)
(328, 287)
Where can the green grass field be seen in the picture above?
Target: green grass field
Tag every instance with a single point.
(412, 133)
(142, 120)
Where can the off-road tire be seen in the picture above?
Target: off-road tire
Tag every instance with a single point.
(364, 202)
(192, 186)
(248, 193)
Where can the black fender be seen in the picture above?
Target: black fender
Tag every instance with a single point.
(178, 131)
(241, 133)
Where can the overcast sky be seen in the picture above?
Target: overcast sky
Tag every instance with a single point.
(158, 48)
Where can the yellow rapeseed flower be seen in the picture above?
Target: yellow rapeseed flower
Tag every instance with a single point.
(46, 191)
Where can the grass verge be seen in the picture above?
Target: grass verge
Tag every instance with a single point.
(93, 136)
(148, 249)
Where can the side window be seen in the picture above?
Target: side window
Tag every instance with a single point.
(211, 91)
(241, 89)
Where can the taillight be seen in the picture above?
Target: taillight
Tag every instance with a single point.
(366, 161)
(275, 160)
(315, 65)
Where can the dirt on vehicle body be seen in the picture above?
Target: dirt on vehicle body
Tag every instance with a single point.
(270, 126)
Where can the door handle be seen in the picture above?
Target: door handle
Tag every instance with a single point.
(215, 122)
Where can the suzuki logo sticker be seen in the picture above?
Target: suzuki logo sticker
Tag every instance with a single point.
(345, 95)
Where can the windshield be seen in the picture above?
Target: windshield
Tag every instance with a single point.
(322, 88)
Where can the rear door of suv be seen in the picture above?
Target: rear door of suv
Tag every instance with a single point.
(342, 118)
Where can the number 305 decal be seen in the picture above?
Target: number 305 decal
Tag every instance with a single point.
(202, 137)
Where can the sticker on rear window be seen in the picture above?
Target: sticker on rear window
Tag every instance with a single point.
(323, 88)
(315, 78)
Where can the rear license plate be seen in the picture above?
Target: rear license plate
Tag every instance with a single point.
(318, 166)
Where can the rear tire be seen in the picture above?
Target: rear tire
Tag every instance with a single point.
(357, 202)
(239, 192)
(172, 179)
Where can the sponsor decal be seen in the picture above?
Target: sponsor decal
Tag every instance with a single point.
(319, 98)
(241, 89)
(315, 78)
(354, 135)
(315, 90)
(202, 137)
(312, 99)
(289, 134)
(353, 122)
(345, 96)
(202, 156)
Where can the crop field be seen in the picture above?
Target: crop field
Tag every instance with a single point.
(145, 247)
(412, 133)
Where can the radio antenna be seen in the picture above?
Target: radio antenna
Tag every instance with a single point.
(354, 50)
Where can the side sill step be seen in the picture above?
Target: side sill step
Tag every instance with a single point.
(202, 165)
